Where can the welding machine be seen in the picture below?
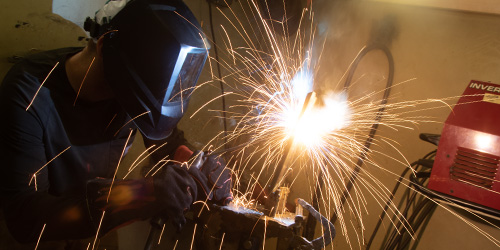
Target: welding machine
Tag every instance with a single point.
(468, 156)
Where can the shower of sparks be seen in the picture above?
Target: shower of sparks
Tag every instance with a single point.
(240, 202)
(271, 76)
(272, 88)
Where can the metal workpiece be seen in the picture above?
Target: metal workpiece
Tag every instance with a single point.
(242, 228)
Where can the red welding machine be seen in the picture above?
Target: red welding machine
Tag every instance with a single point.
(468, 156)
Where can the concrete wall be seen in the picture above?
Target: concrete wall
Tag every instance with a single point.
(29, 26)
(484, 6)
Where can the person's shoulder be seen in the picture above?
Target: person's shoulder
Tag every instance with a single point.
(40, 62)
(23, 80)
(50, 57)
(32, 69)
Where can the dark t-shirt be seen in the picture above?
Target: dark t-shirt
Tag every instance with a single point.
(79, 141)
(49, 151)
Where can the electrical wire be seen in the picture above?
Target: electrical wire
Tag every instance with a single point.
(399, 229)
(393, 193)
(374, 128)
(384, 212)
(425, 213)
(219, 74)
(399, 238)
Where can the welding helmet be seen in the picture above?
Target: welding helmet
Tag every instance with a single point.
(153, 53)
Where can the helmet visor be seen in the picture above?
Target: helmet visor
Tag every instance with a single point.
(185, 75)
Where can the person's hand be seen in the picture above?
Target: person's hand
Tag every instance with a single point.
(175, 190)
(212, 177)
(169, 193)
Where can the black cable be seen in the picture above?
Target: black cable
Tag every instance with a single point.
(384, 212)
(426, 212)
(399, 231)
(398, 228)
(216, 51)
(418, 209)
(382, 215)
(374, 128)
(422, 211)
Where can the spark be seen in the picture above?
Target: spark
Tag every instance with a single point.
(161, 234)
(83, 80)
(137, 116)
(148, 153)
(39, 237)
(111, 121)
(265, 230)
(36, 93)
(33, 177)
(36, 185)
(207, 103)
(204, 204)
(98, 229)
(222, 241)
(140, 159)
(125, 147)
(194, 233)
(161, 164)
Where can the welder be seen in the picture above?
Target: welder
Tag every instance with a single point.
(70, 114)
